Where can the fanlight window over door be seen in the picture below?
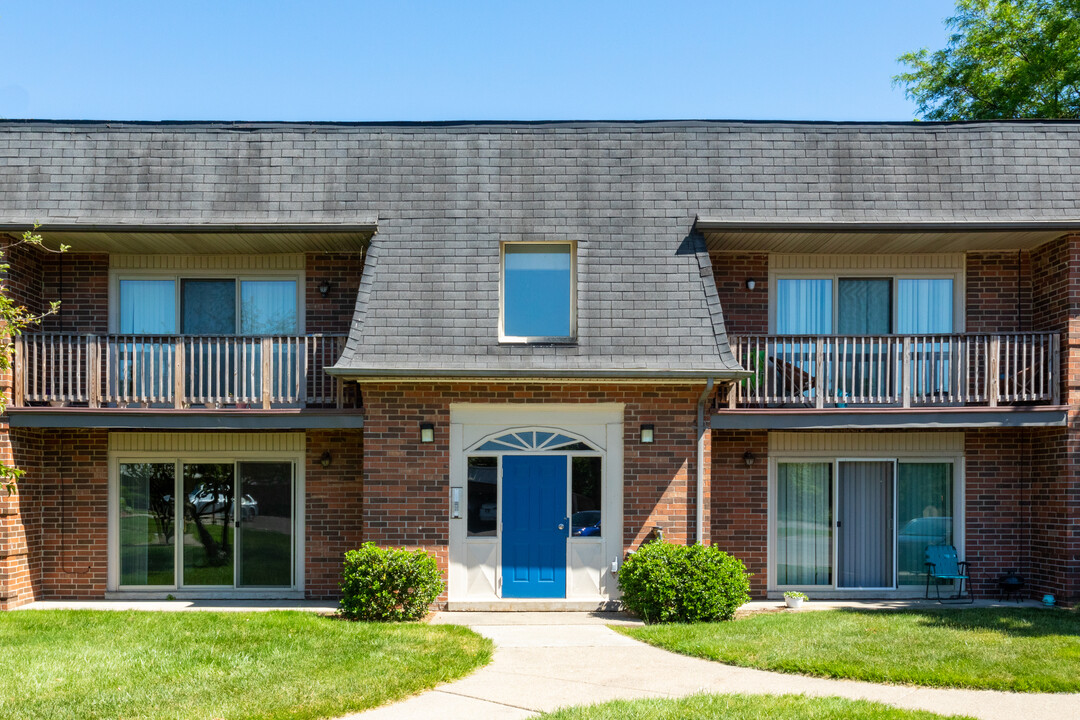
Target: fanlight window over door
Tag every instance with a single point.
(533, 441)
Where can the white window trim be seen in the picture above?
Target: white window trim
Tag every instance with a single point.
(115, 276)
(956, 275)
(179, 458)
(519, 339)
(834, 459)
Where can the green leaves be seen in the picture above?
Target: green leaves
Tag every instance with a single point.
(389, 585)
(1006, 59)
(662, 582)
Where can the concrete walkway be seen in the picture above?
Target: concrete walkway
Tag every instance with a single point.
(544, 661)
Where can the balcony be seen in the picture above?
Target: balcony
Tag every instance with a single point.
(181, 372)
(896, 371)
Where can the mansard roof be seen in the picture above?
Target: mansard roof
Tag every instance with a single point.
(446, 194)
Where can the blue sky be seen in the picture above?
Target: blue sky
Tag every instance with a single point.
(508, 60)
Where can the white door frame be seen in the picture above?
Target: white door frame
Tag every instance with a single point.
(589, 562)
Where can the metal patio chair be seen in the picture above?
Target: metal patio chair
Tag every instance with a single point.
(942, 563)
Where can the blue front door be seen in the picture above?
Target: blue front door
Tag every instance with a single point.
(533, 545)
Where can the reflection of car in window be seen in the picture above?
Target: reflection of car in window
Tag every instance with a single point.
(487, 511)
(204, 502)
(585, 523)
(917, 534)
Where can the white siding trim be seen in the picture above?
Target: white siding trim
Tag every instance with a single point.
(849, 444)
(287, 261)
(216, 442)
(912, 261)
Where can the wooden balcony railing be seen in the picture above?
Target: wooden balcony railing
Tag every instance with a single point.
(897, 370)
(177, 371)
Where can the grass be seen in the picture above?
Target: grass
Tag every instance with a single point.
(1024, 650)
(192, 665)
(740, 707)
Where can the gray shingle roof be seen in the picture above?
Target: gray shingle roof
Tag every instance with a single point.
(446, 194)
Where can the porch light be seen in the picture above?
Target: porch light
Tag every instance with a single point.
(427, 432)
(750, 284)
(749, 458)
(647, 433)
(324, 287)
(325, 459)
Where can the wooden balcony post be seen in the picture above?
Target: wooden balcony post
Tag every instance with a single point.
(993, 383)
(1055, 369)
(905, 390)
(267, 367)
(819, 372)
(93, 371)
(179, 380)
(18, 373)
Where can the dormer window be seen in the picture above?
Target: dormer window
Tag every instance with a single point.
(539, 292)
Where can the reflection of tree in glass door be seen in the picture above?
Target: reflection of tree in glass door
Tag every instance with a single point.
(209, 491)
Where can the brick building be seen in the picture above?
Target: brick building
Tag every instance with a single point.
(529, 346)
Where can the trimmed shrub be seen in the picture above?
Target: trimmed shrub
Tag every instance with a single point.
(662, 582)
(388, 585)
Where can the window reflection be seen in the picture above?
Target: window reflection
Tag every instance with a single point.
(483, 496)
(147, 523)
(585, 496)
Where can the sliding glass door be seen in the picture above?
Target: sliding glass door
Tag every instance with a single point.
(804, 508)
(209, 496)
(210, 524)
(864, 524)
(859, 523)
(147, 524)
(265, 535)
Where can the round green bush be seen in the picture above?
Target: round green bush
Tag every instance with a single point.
(389, 585)
(662, 582)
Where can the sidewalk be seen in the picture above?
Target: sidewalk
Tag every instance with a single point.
(544, 661)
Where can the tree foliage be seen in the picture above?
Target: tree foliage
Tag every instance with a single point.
(14, 318)
(1006, 59)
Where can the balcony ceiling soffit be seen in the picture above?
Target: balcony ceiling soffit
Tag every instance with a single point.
(915, 237)
(207, 238)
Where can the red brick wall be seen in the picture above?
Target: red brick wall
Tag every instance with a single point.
(740, 500)
(334, 519)
(20, 568)
(24, 278)
(406, 482)
(1049, 566)
(70, 496)
(746, 312)
(1055, 528)
(81, 283)
(333, 313)
(998, 292)
(997, 505)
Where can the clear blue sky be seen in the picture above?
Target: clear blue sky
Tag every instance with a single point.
(456, 59)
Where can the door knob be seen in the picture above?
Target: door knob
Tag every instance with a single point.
(561, 526)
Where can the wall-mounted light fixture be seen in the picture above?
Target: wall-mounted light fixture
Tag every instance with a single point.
(749, 458)
(647, 433)
(750, 284)
(325, 458)
(427, 432)
(324, 287)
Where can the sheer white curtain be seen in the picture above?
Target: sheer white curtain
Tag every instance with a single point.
(804, 306)
(803, 523)
(924, 306)
(268, 307)
(147, 307)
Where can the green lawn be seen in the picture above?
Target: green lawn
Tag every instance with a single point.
(192, 665)
(1027, 650)
(740, 707)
